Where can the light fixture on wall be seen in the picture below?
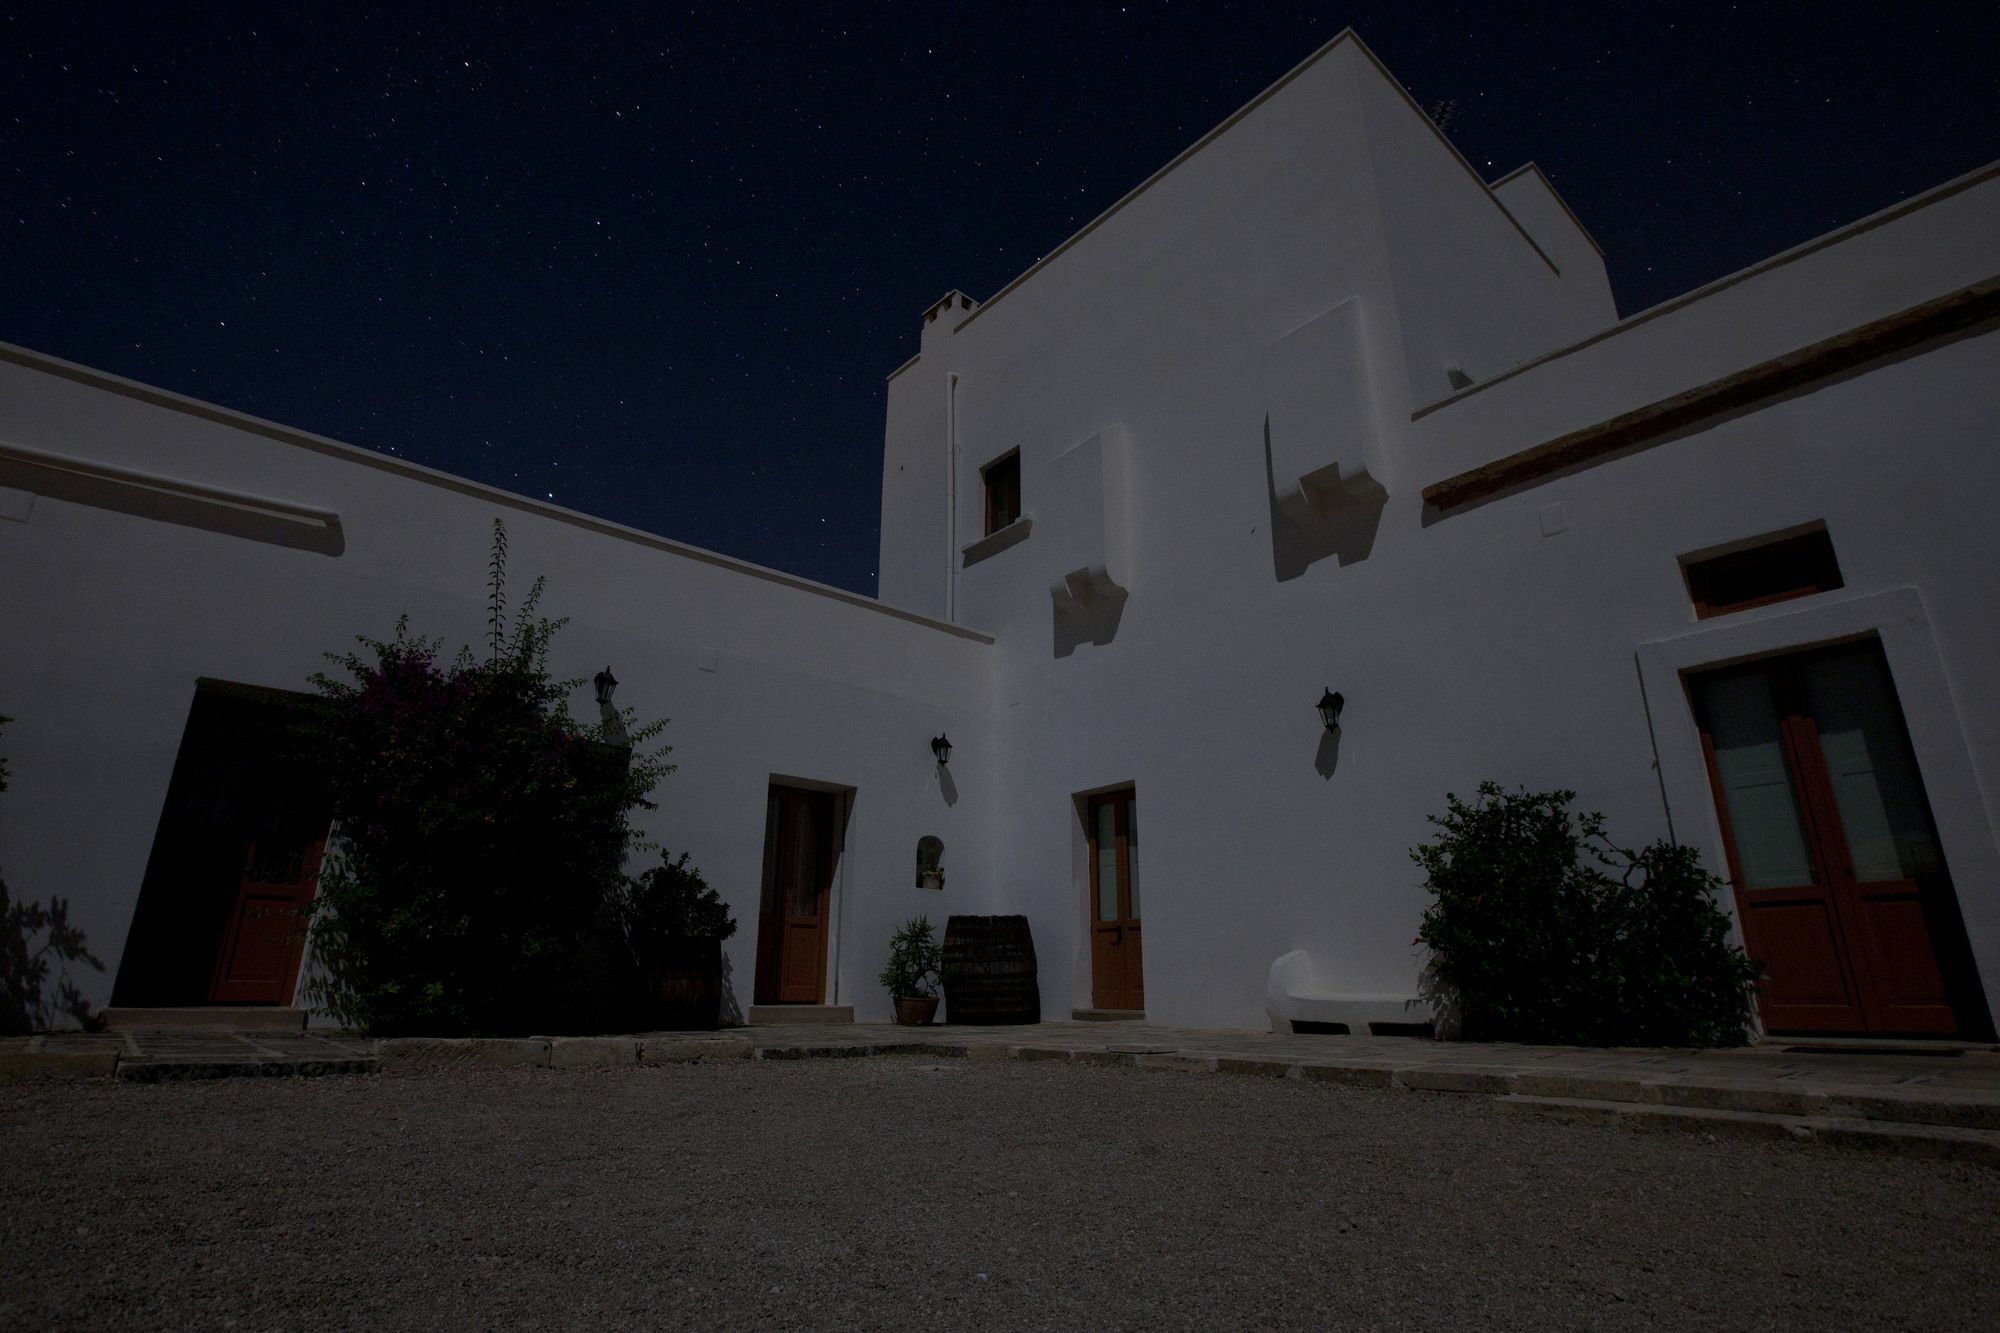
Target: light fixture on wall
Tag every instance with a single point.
(606, 683)
(1330, 705)
(941, 747)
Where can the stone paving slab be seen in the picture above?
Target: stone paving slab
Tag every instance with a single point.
(1952, 1143)
(1958, 1091)
(1945, 1091)
(421, 1054)
(153, 1057)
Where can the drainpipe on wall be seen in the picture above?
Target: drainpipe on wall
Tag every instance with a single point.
(951, 498)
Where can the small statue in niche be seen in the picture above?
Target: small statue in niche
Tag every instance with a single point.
(930, 851)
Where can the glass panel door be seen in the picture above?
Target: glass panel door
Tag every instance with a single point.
(1116, 969)
(805, 862)
(1756, 784)
(1107, 862)
(1791, 922)
(1901, 917)
(1874, 777)
(1839, 878)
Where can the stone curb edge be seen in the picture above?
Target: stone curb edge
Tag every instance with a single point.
(1944, 1142)
(1837, 1111)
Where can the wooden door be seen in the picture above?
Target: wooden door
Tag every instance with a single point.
(1839, 880)
(1117, 968)
(258, 961)
(800, 848)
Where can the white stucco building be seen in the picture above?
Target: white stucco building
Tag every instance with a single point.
(1313, 407)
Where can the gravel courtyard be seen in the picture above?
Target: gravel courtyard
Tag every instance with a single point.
(923, 1193)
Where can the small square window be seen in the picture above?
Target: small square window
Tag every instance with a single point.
(1774, 570)
(1003, 491)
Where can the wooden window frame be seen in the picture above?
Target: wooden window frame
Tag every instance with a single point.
(998, 514)
(1779, 568)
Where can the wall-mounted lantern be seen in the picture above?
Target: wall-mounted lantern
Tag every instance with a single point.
(606, 683)
(1330, 705)
(941, 747)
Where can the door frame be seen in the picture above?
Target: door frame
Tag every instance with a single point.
(836, 904)
(1897, 619)
(1081, 871)
(1874, 1005)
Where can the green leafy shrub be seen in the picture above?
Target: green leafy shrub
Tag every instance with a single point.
(31, 938)
(1541, 930)
(481, 829)
(1680, 982)
(671, 902)
(914, 959)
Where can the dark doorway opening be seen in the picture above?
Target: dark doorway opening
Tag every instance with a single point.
(235, 860)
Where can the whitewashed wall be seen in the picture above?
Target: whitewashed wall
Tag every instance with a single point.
(1535, 639)
(110, 617)
(1501, 642)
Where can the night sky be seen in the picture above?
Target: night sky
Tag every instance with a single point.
(655, 262)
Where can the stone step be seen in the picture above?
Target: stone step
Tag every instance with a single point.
(1981, 1146)
(1961, 1108)
(782, 1015)
(1931, 1047)
(1895, 1104)
(208, 1018)
(1108, 1015)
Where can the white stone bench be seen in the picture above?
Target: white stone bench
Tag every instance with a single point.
(1294, 994)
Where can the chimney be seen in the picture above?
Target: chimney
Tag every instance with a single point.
(950, 311)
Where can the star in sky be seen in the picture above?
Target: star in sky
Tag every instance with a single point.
(655, 263)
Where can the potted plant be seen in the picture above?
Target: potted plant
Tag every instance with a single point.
(675, 925)
(911, 978)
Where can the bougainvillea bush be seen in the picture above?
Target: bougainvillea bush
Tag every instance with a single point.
(480, 828)
(31, 938)
(1542, 930)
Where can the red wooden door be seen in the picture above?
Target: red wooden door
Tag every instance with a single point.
(799, 856)
(258, 961)
(1117, 964)
(1838, 875)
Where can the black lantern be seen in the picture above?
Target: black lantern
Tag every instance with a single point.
(606, 683)
(1330, 705)
(941, 747)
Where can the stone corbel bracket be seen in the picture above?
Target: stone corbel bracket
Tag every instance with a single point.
(1320, 412)
(1087, 519)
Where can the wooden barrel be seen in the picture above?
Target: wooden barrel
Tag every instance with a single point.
(690, 979)
(989, 971)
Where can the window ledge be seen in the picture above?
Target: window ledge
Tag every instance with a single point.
(993, 543)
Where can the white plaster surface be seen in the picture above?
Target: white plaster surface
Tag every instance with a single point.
(111, 617)
(1324, 440)
(1498, 642)
(1533, 639)
(1086, 530)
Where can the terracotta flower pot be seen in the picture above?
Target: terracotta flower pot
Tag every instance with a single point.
(916, 1010)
